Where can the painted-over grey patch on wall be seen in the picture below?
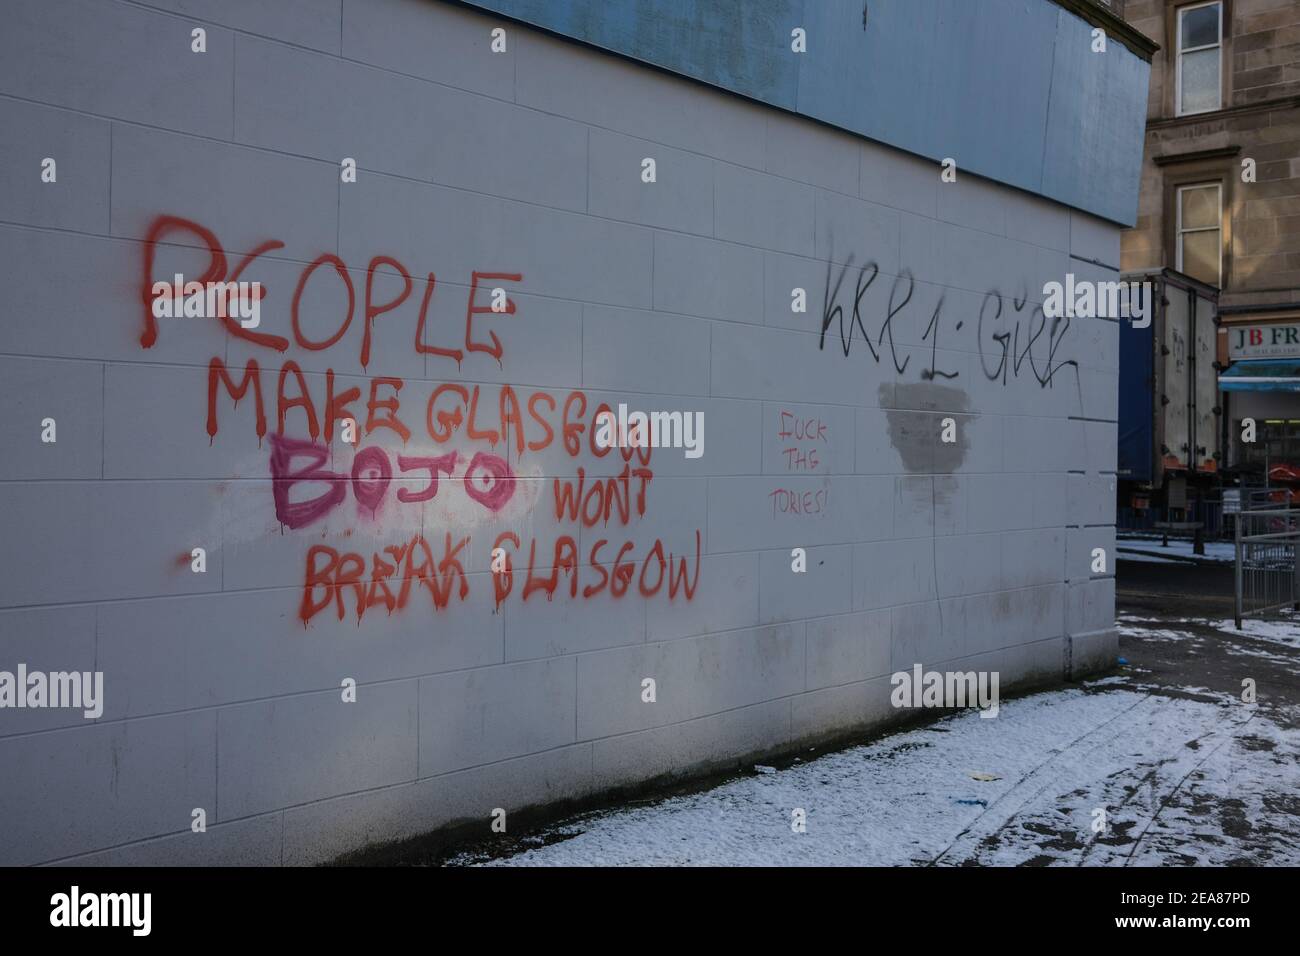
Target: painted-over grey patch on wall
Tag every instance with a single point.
(917, 436)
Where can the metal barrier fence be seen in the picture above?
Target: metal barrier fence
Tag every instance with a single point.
(1207, 510)
(1267, 561)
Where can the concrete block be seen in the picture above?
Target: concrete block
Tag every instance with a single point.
(111, 540)
(691, 746)
(1037, 221)
(1037, 445)
(104, 785)
(1034, 664)
(551, 249)
(782, 275)
(975, 260)
(693, 677)
(968, 564)
(488, 714)
(49, 640)
(1047, 493)
(864, 231)
(1004, 619)
(253, 841)
(832, 711)
(1090, 499)
(810, 153)
(92, 265)
(680, 198)
(1033, 557)
(562, 78)
(731, 582)
(877, 434)
(974, 203)
(1091, 606)
(826, 587)
(1095, 342)
(478, 144)
(950, 505)
(886, 573)
(762, 210)
(716, 280)
(79, 146)
(914, 507)
(157, 174)
(999, 502)
(1097, 396)
(542, 629)
(777, 365)
(278, 753)
(1092, 653)
(442, 43)
(144, 404)
(847, 648)
(1080, 543)
(297, 101)
(921, 246)
(925, 633)
(1094, 240)
(1100, 445)
(541, 342)
(311, 23)
(213, 650)
(643, 351)
(319, 832)
(891, 177)
(78, 64)
(70, 393)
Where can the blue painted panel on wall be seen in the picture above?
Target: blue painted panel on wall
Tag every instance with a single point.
(1011, 89)
(1095, 128)
(738, 45)
(864, 80)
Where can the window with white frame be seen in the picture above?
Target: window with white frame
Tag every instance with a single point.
(1200, 58)
(1199, 251)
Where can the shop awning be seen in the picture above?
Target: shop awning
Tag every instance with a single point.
(1262, 375)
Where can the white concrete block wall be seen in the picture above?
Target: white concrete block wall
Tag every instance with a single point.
(667, 296)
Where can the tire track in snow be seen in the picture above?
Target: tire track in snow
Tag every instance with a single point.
(1041, 779)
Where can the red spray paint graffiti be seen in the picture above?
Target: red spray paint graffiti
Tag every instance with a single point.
(334, 577)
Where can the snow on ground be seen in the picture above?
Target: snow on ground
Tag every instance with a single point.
(1285, 631)
(1129, 627)
(1181, 781)
(1150, 549)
